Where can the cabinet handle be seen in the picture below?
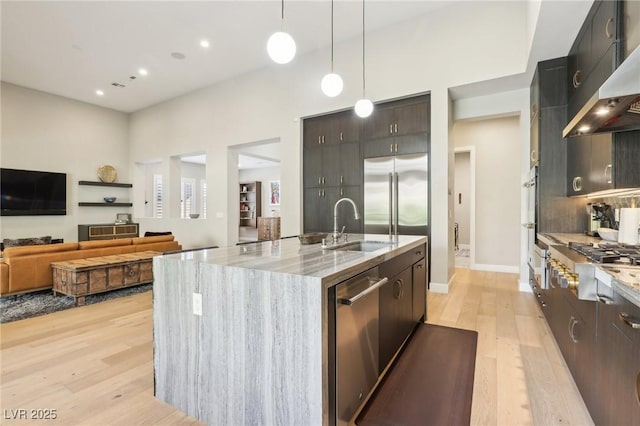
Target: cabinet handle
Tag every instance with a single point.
(319, 180)
(323, 180)
(341, 179)
(396, 147)
(419, 266)
(395, 128)
(341, 138)
(390, 147)
(319, 192)
(577, 184)
(631, 321)
(534, 155)
(373, 286)
(341, 192)
(323, 139)
(572, 326)
(390, 128)
(608, 179)
(319, 140)
(606, 28)
(419, 253)
(576, 79)
(397, 289)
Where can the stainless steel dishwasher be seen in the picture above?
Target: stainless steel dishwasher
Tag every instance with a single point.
(357, 311)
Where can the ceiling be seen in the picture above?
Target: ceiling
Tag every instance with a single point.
(73, 48)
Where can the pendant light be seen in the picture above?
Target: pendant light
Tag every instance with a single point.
(281, 47)
(331, 83)
(364, 107)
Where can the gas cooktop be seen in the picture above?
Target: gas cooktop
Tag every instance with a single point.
(609, 252)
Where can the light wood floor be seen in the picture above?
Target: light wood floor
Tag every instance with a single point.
(93, 364)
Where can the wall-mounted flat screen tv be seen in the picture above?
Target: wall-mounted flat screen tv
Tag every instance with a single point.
(32, 193)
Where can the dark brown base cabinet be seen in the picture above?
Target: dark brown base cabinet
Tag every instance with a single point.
(618, 364)
(573, 323)
(396, 322)
(399, 309)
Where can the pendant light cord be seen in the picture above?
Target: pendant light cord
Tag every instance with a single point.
(331, 35)
(282, 16)
(363, 48)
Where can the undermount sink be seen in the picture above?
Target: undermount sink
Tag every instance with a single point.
(362, 246)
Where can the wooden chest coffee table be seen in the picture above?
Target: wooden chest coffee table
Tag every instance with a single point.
(81, 277)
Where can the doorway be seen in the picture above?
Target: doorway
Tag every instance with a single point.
(464, 206)
(256, 163)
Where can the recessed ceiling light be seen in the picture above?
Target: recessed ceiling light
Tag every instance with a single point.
(204, 43)
(143, 71)
(99, 92)
(177, 55)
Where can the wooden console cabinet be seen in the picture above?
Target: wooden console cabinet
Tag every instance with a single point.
(268, 228)
(107, 231)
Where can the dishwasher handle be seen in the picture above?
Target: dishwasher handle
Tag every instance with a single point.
(350, 301)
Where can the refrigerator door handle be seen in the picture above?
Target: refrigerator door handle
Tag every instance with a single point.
(396, 213)
(390, 204)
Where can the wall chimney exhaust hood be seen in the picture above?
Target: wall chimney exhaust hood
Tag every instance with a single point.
(615, 106)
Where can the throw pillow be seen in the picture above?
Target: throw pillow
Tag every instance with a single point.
(8, 242)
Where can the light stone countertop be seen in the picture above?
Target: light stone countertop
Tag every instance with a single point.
(289, 256)
(626, 279)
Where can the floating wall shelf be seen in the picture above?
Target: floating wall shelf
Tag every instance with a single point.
(105, 204)
(113, 185)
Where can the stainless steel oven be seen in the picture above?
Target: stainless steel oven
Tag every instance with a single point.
(540, 257)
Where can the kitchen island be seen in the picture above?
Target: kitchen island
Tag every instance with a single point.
(247, 334)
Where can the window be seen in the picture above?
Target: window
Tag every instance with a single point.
(158, 196)
(187, 199)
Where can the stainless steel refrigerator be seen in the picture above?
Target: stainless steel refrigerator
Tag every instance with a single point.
(396, 195)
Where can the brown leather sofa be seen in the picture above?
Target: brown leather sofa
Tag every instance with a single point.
(28, 268)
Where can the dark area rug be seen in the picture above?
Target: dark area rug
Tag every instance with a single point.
(21, 306)
(430, 383)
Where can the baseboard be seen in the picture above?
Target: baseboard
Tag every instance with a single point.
(495, 268)
(524, 287)
(439, 288)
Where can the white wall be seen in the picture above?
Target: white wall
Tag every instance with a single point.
(41, 131)
(498, 190)
(461, 44)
